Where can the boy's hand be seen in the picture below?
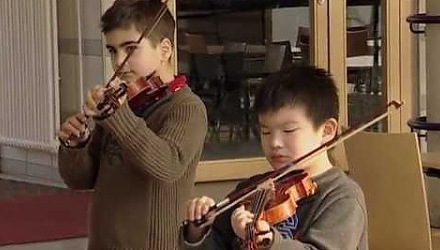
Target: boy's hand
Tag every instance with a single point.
(96, 96)
(241, 217)
(195, 210)
(74, 130)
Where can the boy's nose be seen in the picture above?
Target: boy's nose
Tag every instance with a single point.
(118, 60)
(276, 142)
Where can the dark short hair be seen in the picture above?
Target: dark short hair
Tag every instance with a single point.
(306, 86)
(141, 14)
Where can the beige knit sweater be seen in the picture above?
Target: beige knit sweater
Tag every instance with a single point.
(142, 171)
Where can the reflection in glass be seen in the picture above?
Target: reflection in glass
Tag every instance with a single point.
(366, 93)
(226, 50)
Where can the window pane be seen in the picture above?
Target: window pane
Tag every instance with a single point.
(366, 93)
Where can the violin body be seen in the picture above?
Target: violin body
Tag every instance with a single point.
(144, 91)
(275, 202)
(282, 204)
(288, 191)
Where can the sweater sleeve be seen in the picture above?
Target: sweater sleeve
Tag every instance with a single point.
(79, 166)
(340, 226)
(167, 154)
(220, 236)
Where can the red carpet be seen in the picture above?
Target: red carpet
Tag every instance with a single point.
(43, 218)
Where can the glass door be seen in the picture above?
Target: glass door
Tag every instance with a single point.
(365, 91)
(373, 61)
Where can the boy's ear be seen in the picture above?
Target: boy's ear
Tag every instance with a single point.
(330, 130)
(165, 49)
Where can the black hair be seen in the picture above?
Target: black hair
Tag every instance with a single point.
(306, 86)
(141, 14)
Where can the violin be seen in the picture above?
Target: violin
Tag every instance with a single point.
(275, 203)
(142, 93)
(274, 196)
(288, 191)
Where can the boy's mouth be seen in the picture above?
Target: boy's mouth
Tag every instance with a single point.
(279, 159)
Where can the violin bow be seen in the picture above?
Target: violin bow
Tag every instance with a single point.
(227, 203)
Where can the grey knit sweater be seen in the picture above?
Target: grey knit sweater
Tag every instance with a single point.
(142, 171)
(334, 218)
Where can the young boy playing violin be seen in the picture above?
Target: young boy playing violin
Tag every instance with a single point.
(297, 111)
(141, 167)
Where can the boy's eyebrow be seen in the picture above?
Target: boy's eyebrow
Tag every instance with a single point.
(291, 122)
(122, 44)
(285, 123)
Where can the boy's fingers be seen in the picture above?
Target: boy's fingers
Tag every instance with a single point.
(78, 124)
(202, 206)
(81, 117)
(191, 208)
(70, 130)
(262, 226)
(197, 207)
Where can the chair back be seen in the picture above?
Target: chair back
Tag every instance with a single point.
(288, 55)
(388, 169)
(275, 57)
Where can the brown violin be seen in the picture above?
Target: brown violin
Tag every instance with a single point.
(275, 203)
(142, 93)
(283, 203)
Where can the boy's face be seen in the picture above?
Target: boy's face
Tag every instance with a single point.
(145, 59)
(288, 133)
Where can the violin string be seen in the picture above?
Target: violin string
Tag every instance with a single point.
(255, 206)
(256, 209)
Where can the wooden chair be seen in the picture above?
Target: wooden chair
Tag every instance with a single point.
(388, 169)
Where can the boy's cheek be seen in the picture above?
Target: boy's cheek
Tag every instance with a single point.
(143, 69)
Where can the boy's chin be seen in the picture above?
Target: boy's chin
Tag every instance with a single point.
(279, 165)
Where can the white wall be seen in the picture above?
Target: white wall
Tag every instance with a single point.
(80, 68)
